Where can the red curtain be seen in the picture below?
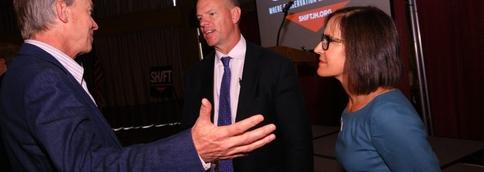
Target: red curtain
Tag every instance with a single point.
(452, 39)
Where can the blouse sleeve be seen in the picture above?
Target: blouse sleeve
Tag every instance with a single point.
(400, 138)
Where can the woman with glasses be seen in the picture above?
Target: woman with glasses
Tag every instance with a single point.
(380, 129)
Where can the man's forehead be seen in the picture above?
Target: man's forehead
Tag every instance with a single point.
(205, 6)
(214, 4)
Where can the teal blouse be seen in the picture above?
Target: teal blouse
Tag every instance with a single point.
(385, 135)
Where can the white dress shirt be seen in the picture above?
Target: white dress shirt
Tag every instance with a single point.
(237, 55)
(72, 66)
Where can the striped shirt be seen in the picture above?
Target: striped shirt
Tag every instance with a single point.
(72, 66)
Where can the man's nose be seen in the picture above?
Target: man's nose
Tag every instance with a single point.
(94, 25)
(202, 22)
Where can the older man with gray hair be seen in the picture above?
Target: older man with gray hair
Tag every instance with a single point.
(50, 122)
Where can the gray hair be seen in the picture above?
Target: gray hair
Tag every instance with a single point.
(34, 16)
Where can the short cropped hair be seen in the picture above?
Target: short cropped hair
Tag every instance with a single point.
(34, 16)
(371, 46)
(235, 3)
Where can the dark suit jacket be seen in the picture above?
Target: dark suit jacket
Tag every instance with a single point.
(50, 124)
(269, 86)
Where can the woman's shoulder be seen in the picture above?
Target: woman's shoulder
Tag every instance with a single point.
(392, 107)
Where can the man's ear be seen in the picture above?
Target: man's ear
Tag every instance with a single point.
(235, 14)
(61, 10)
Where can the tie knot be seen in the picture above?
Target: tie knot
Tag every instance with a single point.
(225, 61)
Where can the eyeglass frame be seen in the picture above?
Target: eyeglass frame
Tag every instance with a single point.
(326, 40)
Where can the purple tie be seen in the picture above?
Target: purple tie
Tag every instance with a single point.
(224, 112)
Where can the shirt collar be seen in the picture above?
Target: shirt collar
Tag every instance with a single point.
(238, 52)
(67, 62)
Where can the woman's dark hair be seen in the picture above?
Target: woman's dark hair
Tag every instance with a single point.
(371, 47)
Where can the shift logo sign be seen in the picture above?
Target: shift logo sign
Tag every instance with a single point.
(162, 76)
(161, 80)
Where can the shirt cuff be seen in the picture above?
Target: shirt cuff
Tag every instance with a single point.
(206, 166)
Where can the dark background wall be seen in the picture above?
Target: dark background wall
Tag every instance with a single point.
(137, 35)
(453, 36)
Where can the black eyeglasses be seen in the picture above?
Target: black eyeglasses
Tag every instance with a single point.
(326, 39)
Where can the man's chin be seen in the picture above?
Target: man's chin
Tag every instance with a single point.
(85, 51)
(211, 43)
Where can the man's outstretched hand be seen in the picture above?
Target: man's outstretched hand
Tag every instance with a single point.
(226, 142)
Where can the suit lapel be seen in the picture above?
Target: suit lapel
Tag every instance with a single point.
(34, 51)
(249, 84)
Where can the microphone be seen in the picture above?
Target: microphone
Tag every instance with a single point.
(288, 6)
(285, 10)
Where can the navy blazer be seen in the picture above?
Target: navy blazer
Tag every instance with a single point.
(270, 87)
(51, 124)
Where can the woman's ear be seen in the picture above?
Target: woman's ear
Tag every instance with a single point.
(61, 10)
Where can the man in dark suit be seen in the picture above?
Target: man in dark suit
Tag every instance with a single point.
(260, 82)
(51, 123)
